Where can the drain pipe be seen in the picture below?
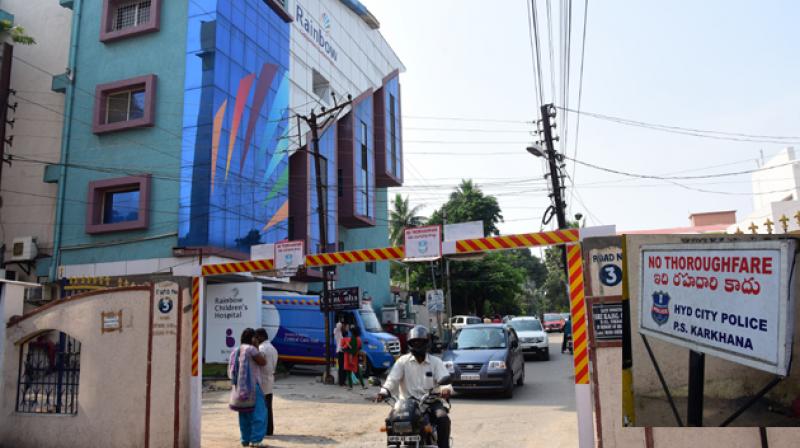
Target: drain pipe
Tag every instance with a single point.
(65, 136)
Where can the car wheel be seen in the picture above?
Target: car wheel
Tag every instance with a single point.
(509, 392)
(521, 380)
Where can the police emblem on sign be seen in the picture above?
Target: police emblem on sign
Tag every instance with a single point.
(423, 246)
(660, 310)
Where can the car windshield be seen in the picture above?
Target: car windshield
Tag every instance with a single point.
(526, 325)
(371, 323)
(480, 338)
(552, 317)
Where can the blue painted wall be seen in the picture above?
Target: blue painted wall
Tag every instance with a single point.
(154, 150)
(377, 284)
(235, 161)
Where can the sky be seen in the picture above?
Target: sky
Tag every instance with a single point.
(468, 100)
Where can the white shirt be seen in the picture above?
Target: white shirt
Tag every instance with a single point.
(337, 336)
(415, 379)
(268, 369)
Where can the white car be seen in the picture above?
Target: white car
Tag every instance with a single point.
(532, 337)
(458, 322)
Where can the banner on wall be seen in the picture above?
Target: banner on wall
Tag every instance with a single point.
(731, 300)
(230, 308)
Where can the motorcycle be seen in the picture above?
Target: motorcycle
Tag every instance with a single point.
(411, 422)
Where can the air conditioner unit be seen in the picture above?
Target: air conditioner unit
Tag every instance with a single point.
(24, 249)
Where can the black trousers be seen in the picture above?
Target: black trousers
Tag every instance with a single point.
(340, 363)
(270, 425)
(442, 424)
(567, 337)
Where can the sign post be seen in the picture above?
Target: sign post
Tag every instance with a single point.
(342, 299)
(731, 300)
(423, 243)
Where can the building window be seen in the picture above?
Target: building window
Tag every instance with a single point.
(125, 104)
(364, 169)
(121, 206)
(392, 133)
(280, 7)
(321, 86)
(118, 204)
(49, 374)
(126, 18)
(371, 267)
(131, 14)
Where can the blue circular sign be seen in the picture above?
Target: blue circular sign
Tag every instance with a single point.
(165, 305)
(610, 275)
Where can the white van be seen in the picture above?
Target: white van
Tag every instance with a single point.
(457, 322)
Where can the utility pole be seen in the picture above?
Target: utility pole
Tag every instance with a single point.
(311, 120)
(448, 303)
(5, 91)
(548, 112)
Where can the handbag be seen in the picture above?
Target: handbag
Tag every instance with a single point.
(242, 399)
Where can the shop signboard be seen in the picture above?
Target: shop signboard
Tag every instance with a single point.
(343, 299)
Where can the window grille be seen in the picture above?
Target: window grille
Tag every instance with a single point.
(49, 374)
(131, 14)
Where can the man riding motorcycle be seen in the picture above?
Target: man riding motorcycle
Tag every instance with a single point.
(415, 373)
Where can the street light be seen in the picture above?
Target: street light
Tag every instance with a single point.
(536, 150)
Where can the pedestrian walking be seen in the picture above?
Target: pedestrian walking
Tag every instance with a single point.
(270, 353)
(246, 392)
(567, 334)
(338, 334)
(351, 351)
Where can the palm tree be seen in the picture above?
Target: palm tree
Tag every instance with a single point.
(402, 216)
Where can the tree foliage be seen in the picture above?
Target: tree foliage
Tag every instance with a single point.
(401, 216)
(16, 32)
(468, 203)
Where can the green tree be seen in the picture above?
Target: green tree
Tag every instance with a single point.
(16, 32)
(468, 203)
(401, 216)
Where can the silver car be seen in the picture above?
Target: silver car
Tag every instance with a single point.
(532, 337)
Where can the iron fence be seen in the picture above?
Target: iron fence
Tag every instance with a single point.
(49, 374)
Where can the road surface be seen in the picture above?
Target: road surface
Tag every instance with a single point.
(309, 414)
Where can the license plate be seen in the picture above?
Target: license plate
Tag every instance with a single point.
(470, 377)
(404, 438)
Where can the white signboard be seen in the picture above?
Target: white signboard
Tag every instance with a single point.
(289, 256)
(732, 300)
(230, 308)
(463, 231)
(262, 252)
(605, 267)
(423, 243)
(434, 298)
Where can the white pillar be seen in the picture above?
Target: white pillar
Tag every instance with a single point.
(583, 403)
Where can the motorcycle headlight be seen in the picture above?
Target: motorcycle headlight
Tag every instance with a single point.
(449, 366)
(497, 365)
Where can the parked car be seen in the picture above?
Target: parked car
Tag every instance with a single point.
(400, 330)
(485, 357)
(457, 322)
(296, 328)
(532, 337)
(553, 322)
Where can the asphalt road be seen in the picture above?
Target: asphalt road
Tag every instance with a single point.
(309, 414)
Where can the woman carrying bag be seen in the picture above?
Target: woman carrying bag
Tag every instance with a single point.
(246, 393)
